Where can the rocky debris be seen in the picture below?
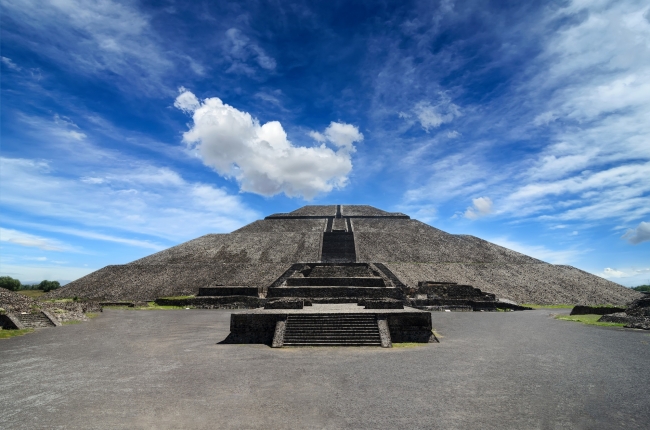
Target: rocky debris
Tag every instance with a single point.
(637, 315)
(15, 302)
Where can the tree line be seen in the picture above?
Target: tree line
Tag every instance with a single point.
(12, 284)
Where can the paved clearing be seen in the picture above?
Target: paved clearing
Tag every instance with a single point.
(164, 369)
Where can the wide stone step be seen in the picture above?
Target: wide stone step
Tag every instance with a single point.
(333, 344)
(332, 329)
(328, 333)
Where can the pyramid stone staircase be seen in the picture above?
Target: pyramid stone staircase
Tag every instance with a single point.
(332, 330)
(35, 320)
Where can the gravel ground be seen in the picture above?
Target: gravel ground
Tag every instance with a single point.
(165, 369)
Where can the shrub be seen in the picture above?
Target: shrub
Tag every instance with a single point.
(48, 285)
(642, 288)
(9, 283)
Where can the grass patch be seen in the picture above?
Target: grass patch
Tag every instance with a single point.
(535, 306)
(72, 322)
(178, 297)
(588, 319)
(6, 334)
(34, 294)
(92, 314)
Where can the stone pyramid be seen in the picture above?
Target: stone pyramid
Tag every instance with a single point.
(259, 253)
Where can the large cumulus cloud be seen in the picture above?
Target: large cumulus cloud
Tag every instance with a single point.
(259, 156)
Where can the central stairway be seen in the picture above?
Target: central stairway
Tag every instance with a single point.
(332, 330)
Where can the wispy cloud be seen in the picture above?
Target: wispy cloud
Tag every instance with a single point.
(553, 256)
(25, 239)
(246, 55)
(111, 39)
(145, 199)
(10, 64)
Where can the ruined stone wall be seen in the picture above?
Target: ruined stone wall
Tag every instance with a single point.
(524, 283)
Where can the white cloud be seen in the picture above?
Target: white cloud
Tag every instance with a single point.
(630, 276)
(9, 63)
(259, 156)
(639, 234)
(453, 134)
(433, 116)
(482, 206)
(612, 273)
(25, 239)
(340, 134)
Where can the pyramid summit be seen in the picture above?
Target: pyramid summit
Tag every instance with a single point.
(403, 251)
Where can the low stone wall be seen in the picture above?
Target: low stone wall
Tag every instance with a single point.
(228, 291)
(228, 302)
(260, 327)
(595, 310)
(322, 292)
(460, 304)
(411, 327)
(253, 328)
(383, 304)
(336, 282)
(284, 304)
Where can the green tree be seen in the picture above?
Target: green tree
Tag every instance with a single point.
(48, 285)
(643, 288)
(9, 283)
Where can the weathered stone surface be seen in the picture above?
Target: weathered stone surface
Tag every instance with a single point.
(640, 307)
(285, 225)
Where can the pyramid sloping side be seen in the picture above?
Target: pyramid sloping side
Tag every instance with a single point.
(284, 225)
(280, 247)
(402, 240)
(365, 210)
(540, 283)
(150, 281)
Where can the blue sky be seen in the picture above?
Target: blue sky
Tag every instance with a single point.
(129, 127)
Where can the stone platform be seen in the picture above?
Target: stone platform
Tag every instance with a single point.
(331, 324)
